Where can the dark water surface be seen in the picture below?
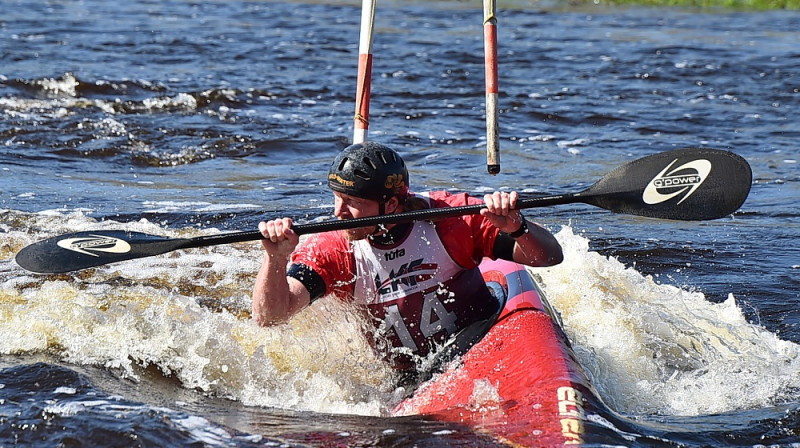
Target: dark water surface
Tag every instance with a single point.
(189, 118)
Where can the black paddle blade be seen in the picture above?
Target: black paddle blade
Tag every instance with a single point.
(690, 184)
(88, 249)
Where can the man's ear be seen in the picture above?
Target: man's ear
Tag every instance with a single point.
(391, 205)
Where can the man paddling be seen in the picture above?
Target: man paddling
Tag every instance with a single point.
(419, 282)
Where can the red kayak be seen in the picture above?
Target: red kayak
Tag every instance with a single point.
(521, 382)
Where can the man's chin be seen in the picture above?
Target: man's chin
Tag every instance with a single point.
(358, 234)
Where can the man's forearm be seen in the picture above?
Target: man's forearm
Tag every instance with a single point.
(275, 297)
(537, 247)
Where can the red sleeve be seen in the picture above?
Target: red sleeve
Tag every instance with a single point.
(467, 238)
(329, 254)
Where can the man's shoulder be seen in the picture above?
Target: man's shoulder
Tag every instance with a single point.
(440, 199)
(325, 241)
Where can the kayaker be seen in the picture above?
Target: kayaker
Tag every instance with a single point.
(419, 282)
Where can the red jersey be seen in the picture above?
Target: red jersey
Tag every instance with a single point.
(418, 291)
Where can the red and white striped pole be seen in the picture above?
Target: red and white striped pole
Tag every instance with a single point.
(490, 61)
(361, 119)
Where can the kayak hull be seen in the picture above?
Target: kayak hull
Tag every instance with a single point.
(521, 383)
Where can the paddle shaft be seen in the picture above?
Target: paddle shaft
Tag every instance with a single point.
(416, 215)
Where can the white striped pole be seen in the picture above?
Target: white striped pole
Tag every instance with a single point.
(361, 119)
(490, 61)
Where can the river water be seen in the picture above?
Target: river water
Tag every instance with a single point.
(193, 118)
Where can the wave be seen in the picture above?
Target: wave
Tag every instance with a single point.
(654, 348)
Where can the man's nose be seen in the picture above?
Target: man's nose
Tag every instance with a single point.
(338, 208)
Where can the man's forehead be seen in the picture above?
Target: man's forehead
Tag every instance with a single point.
(350, 197)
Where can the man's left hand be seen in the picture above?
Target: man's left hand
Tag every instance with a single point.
(501, 211)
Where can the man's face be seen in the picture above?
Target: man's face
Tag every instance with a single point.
(349, 207)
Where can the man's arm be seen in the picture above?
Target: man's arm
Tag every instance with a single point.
(537, 247)
(276, 297)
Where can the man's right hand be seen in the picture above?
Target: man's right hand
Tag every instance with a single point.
(279, 238)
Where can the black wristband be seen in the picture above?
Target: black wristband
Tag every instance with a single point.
(523, 229)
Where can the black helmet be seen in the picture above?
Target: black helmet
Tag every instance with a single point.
(370, 171)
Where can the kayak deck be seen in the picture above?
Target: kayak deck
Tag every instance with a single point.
(521, 382)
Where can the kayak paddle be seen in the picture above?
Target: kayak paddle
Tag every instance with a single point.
(690, 184)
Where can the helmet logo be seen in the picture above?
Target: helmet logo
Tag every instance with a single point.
(394, 181)
(339, 179)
